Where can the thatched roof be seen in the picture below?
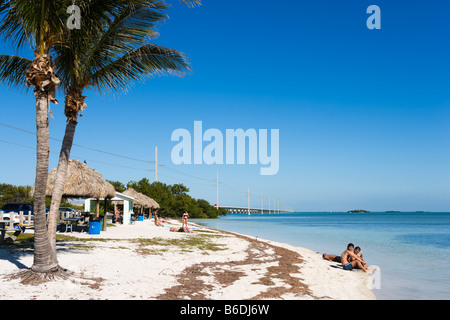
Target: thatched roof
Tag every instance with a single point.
(155, 204)
(81, 182)
(141, 200)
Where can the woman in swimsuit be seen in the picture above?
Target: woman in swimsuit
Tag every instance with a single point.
(185, 219)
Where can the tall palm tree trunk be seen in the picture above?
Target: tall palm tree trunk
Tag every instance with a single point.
(44, 258)
(74, 103)
(41, 76)
(60, 179)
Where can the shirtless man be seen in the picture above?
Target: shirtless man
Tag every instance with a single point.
(357, 251)
(348, 255)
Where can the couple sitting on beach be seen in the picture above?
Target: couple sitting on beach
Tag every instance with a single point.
(350, 258)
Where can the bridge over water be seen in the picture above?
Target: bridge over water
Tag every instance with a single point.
(234, 209)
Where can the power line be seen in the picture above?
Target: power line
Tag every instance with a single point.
(106, 163)
(75, 156)
(186, 174)
(194, 182)
(78, 145)
(224, 187)
(111, 153)
(16, 144)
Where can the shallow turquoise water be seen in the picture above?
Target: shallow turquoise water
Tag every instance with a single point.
(411, 249)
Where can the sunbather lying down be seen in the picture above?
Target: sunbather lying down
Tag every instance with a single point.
(181, 230)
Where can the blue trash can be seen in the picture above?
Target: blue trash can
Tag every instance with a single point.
(141, 218)
(95, 227)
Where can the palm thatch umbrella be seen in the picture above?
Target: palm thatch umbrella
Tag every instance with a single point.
(152, 203)
(155, 204)
(142, 201)
(82, 182)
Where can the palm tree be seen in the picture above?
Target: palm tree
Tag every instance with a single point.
(32, 22)
(110, 61)
(41, 24)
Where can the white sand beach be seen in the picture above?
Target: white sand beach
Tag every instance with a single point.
(143, 261)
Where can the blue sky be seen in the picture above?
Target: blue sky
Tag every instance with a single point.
(363, 114)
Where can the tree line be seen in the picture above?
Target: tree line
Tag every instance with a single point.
(109, 52)
(10, 193)
(174, 199)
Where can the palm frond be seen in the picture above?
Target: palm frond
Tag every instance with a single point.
(143, 62)
(13, 69)
(192, 3)
(122, 32)
(23, 21)
(131, 27)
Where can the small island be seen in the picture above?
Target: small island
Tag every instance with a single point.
(358, 211)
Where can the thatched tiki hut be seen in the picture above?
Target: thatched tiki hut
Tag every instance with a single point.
(155, 204)
(141, 200)
(82, 182)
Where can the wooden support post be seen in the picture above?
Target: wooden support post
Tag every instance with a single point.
(97, 208)
(104, 215)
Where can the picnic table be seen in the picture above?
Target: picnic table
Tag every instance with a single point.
(8, 225)
(69, 222)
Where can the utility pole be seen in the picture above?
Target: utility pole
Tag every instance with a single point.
(217, 191)
(269, 204)
(156, 164)
(248, 195)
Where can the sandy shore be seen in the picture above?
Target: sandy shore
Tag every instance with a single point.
(143, 261)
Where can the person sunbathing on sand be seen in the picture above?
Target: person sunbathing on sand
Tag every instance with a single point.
(349, 259)
(182, 229)
(331, 257)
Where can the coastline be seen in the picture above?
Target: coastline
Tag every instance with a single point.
(142, 261)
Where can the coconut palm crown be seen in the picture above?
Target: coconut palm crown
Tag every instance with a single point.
(111, 59)
(109, 52)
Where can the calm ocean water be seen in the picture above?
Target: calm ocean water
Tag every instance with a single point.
(412, 249)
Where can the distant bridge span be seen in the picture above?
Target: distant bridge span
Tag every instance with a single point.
(234, 209)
